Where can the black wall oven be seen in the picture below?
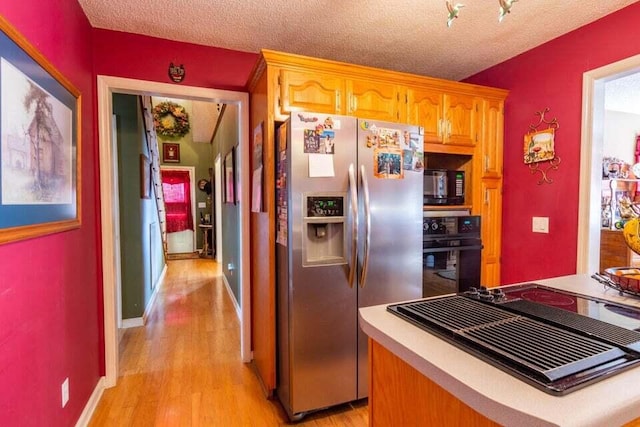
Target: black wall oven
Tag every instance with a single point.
(451, 247)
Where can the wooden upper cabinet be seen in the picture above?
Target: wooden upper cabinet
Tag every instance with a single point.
(447, 118)
(460, 119)
(374, 100)
(310, 91)
(424, 108)
(492, 137)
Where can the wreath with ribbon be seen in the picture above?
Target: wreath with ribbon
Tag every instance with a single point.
(170, 119)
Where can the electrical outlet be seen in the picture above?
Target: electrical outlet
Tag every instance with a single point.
(65, 392)
(540, 224)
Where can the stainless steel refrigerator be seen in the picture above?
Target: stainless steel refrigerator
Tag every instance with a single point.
(349, 235)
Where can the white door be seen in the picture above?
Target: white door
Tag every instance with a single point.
(182, 241)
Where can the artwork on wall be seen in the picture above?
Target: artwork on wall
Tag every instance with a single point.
(145, 177)
(539, 147)
(229, 177)
(170, 152)
(40, 143)
(256, 184)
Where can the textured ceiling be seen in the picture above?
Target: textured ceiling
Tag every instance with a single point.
(409, 35)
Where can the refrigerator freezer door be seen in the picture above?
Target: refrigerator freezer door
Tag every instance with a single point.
(322, 304)
(390, 167)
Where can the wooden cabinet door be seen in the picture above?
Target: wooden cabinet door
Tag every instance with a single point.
(369, 99)
(424, 108)
(492, 138)
(310, 91)
(461, 117)
(491, 230)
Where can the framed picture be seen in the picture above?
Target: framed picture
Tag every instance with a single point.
(539, 146)
(170, 152)
(387, 163)
(230, 177)
(39, 143)
(145, 177)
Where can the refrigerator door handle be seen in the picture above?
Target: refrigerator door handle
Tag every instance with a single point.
(353, 190)
(367, 224)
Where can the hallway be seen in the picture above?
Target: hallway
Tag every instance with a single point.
(183, 367)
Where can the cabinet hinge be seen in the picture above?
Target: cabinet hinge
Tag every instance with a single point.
(477, 108)
(406, 98)
(279, 81)
(398, 97)
(279, 102)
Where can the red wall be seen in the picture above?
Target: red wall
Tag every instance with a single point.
(50, 320)
(148, 58)
(551, 76)
(51, 287)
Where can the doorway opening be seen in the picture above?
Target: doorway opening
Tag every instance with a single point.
(106, 87)
(593, 122)
(178, 188)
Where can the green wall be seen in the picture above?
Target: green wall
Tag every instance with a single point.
(226, 138)
(141, 256)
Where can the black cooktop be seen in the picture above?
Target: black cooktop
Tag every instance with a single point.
(554, 340)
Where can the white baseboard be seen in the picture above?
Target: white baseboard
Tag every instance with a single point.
(233, 298)
(154, 295)
(92, 404)
(132, 323)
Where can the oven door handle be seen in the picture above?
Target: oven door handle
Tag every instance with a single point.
(367, 225)
(353, 190)
(452, 248)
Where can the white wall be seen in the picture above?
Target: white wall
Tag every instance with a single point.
(620, 130)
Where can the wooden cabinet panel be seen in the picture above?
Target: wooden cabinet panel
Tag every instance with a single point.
(492, 137)
(424, 108)
(373, 100)
(491, 230)
(310, 91)
(461, 117)
(399, 395)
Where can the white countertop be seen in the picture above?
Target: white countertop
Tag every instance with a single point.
(498, 395)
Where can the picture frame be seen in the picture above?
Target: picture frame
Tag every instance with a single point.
(145, 177)
(230, 177)
(388, 163)
(539, 146)
(170, 152)
(40, 147)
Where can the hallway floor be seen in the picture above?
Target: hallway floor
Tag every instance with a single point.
(183, 368)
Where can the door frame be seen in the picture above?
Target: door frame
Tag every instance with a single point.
(589, 225)
(192, 194)
(106, 87)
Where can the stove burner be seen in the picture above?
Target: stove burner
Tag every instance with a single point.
(547, 298)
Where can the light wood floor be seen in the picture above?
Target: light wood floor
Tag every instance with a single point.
(183, 367)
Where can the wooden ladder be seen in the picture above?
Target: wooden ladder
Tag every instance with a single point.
(156, 178)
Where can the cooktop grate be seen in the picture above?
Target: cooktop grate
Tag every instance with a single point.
(539, 351)
(612, 334)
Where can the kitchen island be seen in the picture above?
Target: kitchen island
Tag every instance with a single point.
(417, 378)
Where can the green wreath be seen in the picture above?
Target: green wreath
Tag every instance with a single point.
(170, 119)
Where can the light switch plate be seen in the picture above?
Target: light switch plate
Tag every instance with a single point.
(540, 224)
(202, 205)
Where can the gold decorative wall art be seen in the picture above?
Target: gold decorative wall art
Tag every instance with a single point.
(539, 147)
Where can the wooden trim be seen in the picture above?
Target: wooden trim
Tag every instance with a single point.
(293, 61)
(232, 297)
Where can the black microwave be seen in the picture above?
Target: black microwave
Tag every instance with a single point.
(443, 187)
